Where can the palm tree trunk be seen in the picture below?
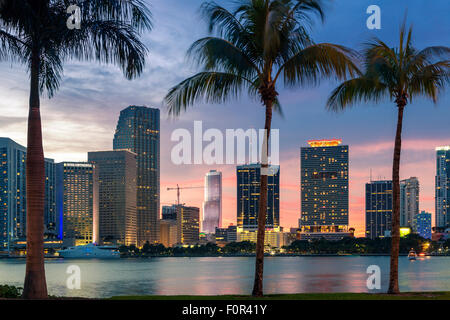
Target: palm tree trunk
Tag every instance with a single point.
(262, 208)
(395, 229)
(35, 285)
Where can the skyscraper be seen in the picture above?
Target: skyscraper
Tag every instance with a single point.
(188, 224)
(423, 224)
(138, 130)
(77, 202)
(409, 201)
(442, 198)
(212, 206)
(117, 196)
(378, 208)
(13, 194)
(324, 189)
(169, 212)
(248, 194)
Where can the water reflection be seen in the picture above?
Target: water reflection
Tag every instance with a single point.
(231, 275)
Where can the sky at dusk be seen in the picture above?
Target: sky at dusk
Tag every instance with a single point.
(83, 114)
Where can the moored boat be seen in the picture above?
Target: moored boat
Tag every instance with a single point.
(90, 251)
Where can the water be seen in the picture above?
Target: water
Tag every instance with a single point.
(230, 275)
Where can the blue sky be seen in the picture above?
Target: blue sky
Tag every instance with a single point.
(83, 114)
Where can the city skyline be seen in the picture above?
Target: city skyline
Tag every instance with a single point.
(89, 103)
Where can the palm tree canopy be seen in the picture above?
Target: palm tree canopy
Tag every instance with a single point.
(399, 73)
(252, 46)
(109, 34)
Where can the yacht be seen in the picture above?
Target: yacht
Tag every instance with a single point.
(90, 251)
(412, 255)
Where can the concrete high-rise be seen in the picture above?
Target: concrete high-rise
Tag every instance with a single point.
(324, 189)
(409, 201)
(378, 208)
(77, 202)
(248, 195)
(13, 194)
(442, 192)
(212, 206)
(138, 130)
(116, 172)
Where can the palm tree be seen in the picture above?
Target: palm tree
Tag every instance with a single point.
(399, 74)
(35, 34)
(253, 47)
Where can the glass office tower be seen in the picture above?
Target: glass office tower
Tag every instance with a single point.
(409, 201)
(442, 205)
(138, 130)
(13, 217)
(248, 194)
(378, 208)
(324, 189)
(212, 206)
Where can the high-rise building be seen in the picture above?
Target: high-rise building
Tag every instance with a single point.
(248, 194)
(409, 201)
(324, 189)
(138, 130)
(378, 208)
(442, 198)
(169, 212)
(168, 232)
(188, 225)
(423, 224)
(13, 217)
(212, 206)
(77, 202)
(116, 171)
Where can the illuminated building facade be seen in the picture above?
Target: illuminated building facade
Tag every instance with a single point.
(188, 225)
(273, 238)
(138, 130)
(212, 206)
(226, 235)
(248, 194)
(168, 232)
(324, 189)
(423, 224)
(13, 194)
(409, 201)
(378, 208)
(77, 202)
(442, 198)
(116, 172)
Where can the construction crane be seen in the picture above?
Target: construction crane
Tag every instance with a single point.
(178, 188)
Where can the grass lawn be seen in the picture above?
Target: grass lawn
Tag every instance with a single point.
(306, 296)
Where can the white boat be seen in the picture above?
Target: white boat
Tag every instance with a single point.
(90, 251)
(412, 255)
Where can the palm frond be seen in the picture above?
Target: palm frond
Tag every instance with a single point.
(319, 61)
(208, 87)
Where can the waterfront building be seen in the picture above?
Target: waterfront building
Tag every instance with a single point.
(273, 238)
(409, 201)
(248, 194)
(13, 195)
(423, 224)
(442, 186)
(138, 130)
(77, 203)
(226, 235)
(324, 189)
(188, 225)
(168, 232)
(212, 206)
(378, 208)
(116, 172)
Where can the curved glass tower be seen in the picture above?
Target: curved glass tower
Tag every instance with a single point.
(212, 206)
